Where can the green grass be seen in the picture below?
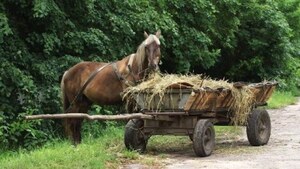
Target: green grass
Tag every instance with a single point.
(92, 153)
(280, 99)
(107, 151)
(168, 144)
(59, 155)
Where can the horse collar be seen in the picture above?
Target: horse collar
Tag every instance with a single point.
(122, 78)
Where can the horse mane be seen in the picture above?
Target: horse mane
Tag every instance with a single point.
(140, 53)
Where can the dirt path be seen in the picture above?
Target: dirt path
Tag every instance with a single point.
(282, 151)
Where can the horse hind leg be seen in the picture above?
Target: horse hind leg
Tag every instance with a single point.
(72, 125)
(75, 130)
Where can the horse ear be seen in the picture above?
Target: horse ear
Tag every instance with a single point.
(158, 33)
(146, 35)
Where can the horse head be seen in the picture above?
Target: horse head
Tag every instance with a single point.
(152, 50)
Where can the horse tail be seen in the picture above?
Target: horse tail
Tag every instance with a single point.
(66, 104)
(65, 100)
(71, 126)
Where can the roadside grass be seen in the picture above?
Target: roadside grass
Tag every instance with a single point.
(92, 153)
(108, 150)
(160, 145)
(280, 99)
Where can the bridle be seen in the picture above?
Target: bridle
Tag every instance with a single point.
(124, 78)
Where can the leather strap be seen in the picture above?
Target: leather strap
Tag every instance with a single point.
(120, 77)
(91, 77)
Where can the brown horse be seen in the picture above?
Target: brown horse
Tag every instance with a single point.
(101, 83)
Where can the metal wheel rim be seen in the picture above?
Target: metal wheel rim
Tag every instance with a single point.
(140, 139)
(208, 139)
(262, 127)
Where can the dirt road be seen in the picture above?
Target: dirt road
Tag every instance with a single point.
(282, 151)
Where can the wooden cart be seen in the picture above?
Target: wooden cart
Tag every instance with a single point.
(194, 113)
(184, 111)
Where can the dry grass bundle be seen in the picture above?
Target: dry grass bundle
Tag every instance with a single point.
(159, 83)
(243, 101)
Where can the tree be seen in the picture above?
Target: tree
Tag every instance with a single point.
(40, 39)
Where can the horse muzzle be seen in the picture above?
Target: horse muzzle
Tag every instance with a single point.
(153, 67)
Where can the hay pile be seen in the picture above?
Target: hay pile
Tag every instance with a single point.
(157, 84)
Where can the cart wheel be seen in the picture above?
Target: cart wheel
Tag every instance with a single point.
(204, 138)
(259, 127)
(134, 138)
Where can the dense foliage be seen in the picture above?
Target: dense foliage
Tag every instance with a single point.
(40, 39)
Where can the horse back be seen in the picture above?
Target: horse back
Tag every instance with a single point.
(103, 89)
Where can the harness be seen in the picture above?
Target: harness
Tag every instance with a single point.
(118, 74)
(91, 77)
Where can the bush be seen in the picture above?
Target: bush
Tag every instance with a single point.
(39, 40)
